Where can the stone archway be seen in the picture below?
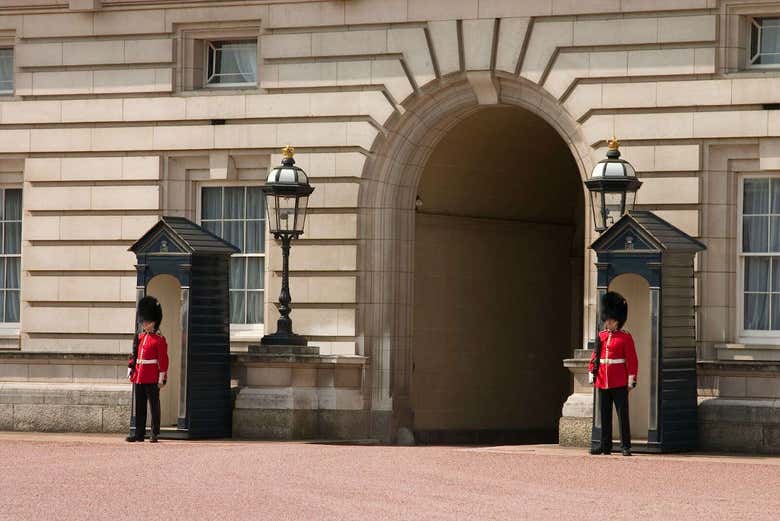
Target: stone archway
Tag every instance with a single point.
(387, 227)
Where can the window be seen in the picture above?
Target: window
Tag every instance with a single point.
(760, 256)
(764, 41)
(237, 215)
(6, 71)
(11, 254)
(231, 63)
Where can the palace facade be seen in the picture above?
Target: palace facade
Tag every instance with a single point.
(445, 272)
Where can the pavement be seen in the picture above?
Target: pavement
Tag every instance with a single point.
(97, 477)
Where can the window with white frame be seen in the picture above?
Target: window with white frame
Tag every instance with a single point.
(6, 70)
(764, 41)
(11, 254)
(231, 63)
(760, 256)
(237, 215)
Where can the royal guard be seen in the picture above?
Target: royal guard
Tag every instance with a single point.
(613, 368)
(148, 368)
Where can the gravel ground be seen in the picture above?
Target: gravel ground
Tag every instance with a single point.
(66, 477)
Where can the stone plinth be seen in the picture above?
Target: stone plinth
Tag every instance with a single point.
(64, 392)
(295, 393)
(574, 427)
(739, 406)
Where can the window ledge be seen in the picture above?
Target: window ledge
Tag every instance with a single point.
(247, 335)
(748, 352)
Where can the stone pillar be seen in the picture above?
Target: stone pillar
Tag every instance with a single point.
(574, 428)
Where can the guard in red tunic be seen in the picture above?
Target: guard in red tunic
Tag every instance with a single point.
(613, 367)
(148, 368)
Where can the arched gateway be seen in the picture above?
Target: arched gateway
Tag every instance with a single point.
(472, 279)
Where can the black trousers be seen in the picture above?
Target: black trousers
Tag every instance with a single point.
(618, 396)
(144, 393)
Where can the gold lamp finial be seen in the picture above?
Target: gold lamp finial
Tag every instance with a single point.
(288, 152)
(613, 143)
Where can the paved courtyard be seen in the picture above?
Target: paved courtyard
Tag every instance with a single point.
(66, 477)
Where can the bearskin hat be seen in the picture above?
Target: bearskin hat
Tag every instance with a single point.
(614, 306)
(149, 308)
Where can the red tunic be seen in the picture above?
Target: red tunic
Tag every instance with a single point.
(615, 346)
(151, 366)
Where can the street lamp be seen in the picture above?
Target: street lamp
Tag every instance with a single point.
(287, 191)
(613, 186)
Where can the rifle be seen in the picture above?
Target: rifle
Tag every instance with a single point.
(597, 359)
(131, 363)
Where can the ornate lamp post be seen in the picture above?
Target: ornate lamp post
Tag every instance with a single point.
(287, 191)
(613, 186)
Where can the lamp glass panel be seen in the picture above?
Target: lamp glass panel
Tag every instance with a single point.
(615, 170)
(271, 207)
(300, 212)
(286, 213)
(597, 207)
(614, 203)
(598, 170)
(630, 170)
(630, 201)
(287, 175)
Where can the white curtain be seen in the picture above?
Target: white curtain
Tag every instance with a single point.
(757, 293)
(11, 280)
(6, 70)
(239, 62)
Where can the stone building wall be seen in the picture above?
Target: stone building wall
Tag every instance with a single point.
(106, 130)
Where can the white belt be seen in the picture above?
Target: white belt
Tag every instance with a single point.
(609, 361)
(145, 362)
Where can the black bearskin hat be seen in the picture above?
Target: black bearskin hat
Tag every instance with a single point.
(614, 306)
(150, 309)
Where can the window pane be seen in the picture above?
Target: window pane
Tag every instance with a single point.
(6, 69)
(255, 202)
(757, 274)
(11, 306)
(756, 311)
(214, 227)
(211, 203)
(233, 232)
(770, 37)
(255, 237)
(237, 312)
(254, 307)
(12, 272)
(774, 234)
(255, 272)
(238, 273)
(12, 238)
(237, 62)
(755, 234)
(776, 274)
(13, 205)
(756, 197)
(775, 325)
(234, 203)
(753, 40)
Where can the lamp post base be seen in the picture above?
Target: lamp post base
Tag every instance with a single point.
(284, 350)
(281, 338)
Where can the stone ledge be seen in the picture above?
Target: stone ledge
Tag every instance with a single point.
(291, 398)
(65, 394)
(748, 352)
(252, 359)
(738, 368)
(55, 358)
